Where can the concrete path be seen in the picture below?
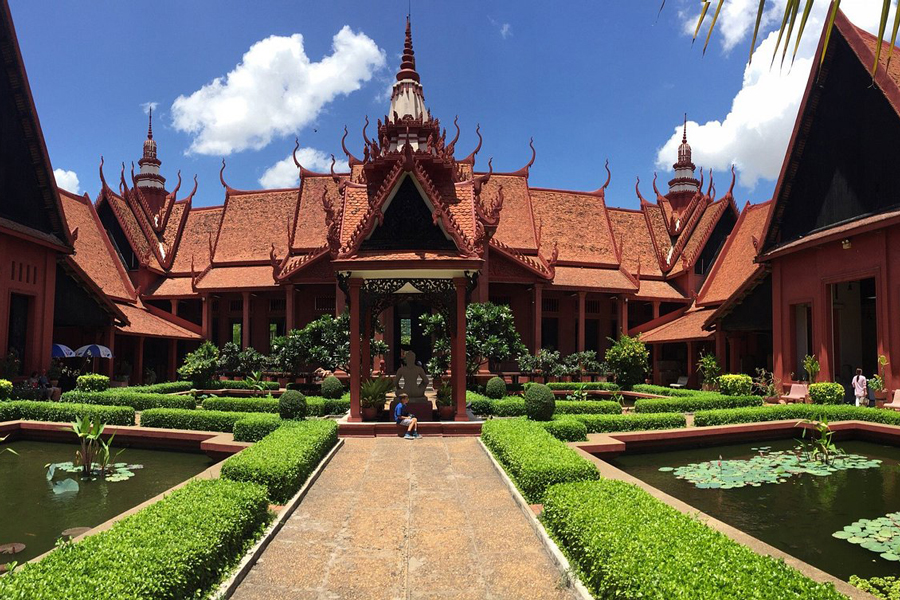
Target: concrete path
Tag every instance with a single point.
(397, 519)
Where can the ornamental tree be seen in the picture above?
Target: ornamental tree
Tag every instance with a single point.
(629, 360)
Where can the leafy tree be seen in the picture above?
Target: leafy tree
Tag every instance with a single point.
(324, 343)
(629, 360)
(229, 359)
(200, 365)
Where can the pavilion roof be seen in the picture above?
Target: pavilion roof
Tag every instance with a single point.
(686, 328)
(141, 321)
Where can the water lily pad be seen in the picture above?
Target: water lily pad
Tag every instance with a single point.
(881, 535)
(891, 556)
(842, 535)
(666, 469)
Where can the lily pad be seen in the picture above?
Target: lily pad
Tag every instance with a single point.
(666, 469)
(881, 535)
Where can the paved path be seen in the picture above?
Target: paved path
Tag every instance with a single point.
(397, 519)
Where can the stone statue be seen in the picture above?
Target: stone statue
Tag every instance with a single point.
(411, 374)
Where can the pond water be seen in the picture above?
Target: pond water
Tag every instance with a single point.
(797, 516)
(32, 513)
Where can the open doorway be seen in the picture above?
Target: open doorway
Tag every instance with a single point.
(854, 328)
(408, 333)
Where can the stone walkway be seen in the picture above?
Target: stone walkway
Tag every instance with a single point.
(397, 519)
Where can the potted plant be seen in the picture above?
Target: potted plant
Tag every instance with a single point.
(372, 396)
(709, 371)
(877, 383)
(767, 386)
(811, 366)
(445, 408)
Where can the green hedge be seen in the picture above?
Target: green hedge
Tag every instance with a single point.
(196, 420)
(255, 427)
(263, 405)
(64, 412)
(179, 547)
(659, 390)
(283, 460)
(692, 404)
(627, 544)
(165, 387)
(127, 397)
(566, 429)
(533, 458)
(322, 407)
(6, 388)
(826, 393)
(594, 385)
(735, 384)
(796, 411)
(92, 383)
(515, 406)
(629, 422)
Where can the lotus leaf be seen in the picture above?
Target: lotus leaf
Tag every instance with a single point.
(881, 535)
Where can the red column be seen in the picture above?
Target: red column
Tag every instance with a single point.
(623, 315)
(245, 321)
(174, 303)
(139, 359)
(355, 413)
(339, 300)
(173, 359)
(206, 309)
(778, 329)
(458, 352)
(110, 342)
(691, 366)
(367, 346)
(656, 304)
(721, 342)
(538, 301)
(289, 308)
(581, 313)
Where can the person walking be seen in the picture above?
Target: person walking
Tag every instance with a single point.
(860, 388)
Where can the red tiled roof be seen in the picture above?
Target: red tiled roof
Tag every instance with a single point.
(736, 262)
(245, 277)
(516, 227)
(252, 222)
(692, 242)
(195, 239)
(659, 233)
(577, 222)
(688, 327)
(310, 226)
(658, 290)
(142, 322)
(93, 252)
(600, 279)
(173, 286)
(631, 225)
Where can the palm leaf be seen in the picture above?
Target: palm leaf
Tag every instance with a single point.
(661, 6)
(806, 10)
(893, 35)
(759, 14)
(703, 10)
(885, 8)
(712, 25)
(834, 8)
(784, 20)
(795, 7)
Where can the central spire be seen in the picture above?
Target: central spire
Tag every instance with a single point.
(149, 176)
(684, 180)
(407, 97)
(408, 62)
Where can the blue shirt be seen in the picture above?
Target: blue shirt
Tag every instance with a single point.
(399, 412)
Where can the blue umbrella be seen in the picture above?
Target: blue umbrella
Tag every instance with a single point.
(94, 351)
(61, 351)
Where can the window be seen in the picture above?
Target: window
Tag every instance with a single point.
(18, 327)
(405, 332)
(325, 303)
(592, 307)
(236, 305)
(277, 304)
(237, 333)
(276, 329)
(550, 305)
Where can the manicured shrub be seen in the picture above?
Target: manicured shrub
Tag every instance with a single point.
(826, 393)
(659, 390)
(629, 422)
(695, 403)
(587, 385)
(539, 403)
(250, 405)
(566, 429)
(588, 407)
(887, 588)
(736, 384)
(533, 458)
(6, 388)
(322, 407)
(495, 388)
(283, 460)
(179, 547)
(515, 407)
(92, 383)
(127, 397)
(629, 360)
(255, 427)
(797, 412)
(229, 384)
(479, 403)
(292, 405)
(200, 365)
(195, 420)
(166, 387)
(65, 412)
(627, 544)
(332, 387)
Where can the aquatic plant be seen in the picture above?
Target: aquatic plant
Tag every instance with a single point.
(820, 448)
(881, 535)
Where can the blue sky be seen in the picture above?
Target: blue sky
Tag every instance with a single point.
(596, 80)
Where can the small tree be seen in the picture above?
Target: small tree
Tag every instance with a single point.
(200, 365)
(325, 342)
(709, 369)
(811, 366)
(629, 360)
(229, 361)
(251, 361)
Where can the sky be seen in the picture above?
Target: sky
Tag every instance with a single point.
(589, 81)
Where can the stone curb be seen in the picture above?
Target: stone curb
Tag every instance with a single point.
(555, 553)
(228, 587)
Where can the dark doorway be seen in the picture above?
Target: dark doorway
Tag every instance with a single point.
(18, 326)
(854, 328)
(592, 334)
(408, 333)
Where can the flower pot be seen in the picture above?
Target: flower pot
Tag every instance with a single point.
(879, 403)
(369, 413)
(880, 395)
(446, 413)
(282, 382)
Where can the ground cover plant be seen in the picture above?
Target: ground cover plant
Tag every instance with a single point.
(886, 588)
(128, 397)
(796, 412)
(283, 460)
(65, 412)
(881, 535)
(176, 548)
(627, 544)
(705, 401)
(533, 458)
(629, 422)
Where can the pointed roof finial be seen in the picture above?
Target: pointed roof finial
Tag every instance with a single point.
(150, 126)
(408, 62)
(684, 135)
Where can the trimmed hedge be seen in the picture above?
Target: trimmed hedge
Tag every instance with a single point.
(566, 429)
(195, 420)
(587, 385)
(735, 384)
(629, 422)
(127, 397)
(165, 387)
(322, 407)
(659, 390)
(283, 460)
(179, 547)
(540, 403)
(695, 403)
(515, 406)
(826, 393)
(263, 405)
(495, 388)
(64, 412)
(627, 544)
(6, 388)
(92, 383)
(799, 412)
(255, 427)
(533, 458)
(332, 388)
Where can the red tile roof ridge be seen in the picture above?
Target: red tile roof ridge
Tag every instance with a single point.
(292, 264)
(143, 251)
(538, 265)
(723, 205)
(660, 257)
(524, 171)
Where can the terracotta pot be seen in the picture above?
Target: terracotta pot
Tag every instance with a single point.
(882, 395)
(879, 403)
(369, 413)
(446, 413)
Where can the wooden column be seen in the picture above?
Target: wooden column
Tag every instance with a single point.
(691, 366)
(245, 321)
(581, 312)
(139, 359)
(623, 315)
(355, 413)
(340, 300)
(721, 342)
(366, 353)
(458, 351)
(174, 303)
(110, 342)
(206, 312)
(173, 359)
(290, 310)
(538, 301)
(656, 304)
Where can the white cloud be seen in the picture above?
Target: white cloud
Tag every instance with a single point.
(275, 90)
(67, 180)
(148, 106)
(285, 174)
(755, 133)
(506, 31)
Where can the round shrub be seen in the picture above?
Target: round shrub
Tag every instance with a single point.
(332, 387)
(92, 383)
(567, 430)
(735, 385)
(826, 393)
(539, 402)
(495, 388)
(292, 405)
(6, 388)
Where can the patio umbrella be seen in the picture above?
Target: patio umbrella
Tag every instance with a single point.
(61, 351)
(94, 351)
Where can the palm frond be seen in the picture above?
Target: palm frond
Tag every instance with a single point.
(795, 7)
(713, 24)
(806, 10)
(784, 20)
(703, 10)
(759, 14)
(834, 8)
(894, 35)
(882, 24)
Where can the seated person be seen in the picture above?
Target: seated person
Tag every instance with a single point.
(402, 417)
(51, 392)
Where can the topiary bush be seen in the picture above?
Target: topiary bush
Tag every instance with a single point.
(265, 405)
(736, 384)
(566, 429)
(826, 393)
(796, 412)
(540, 403)
(92, 383)
(292, 405)
(495, 388)
(332, 387)
(629, 360)
(659, 390)
(6, 388)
